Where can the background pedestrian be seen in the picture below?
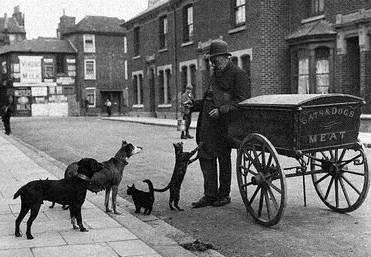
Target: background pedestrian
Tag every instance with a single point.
(5, 116)
(108, 105)
(186, 104)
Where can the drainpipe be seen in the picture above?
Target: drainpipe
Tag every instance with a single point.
(175, 61)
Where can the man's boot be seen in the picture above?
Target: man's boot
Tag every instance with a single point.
(188, 135)
(183, 136)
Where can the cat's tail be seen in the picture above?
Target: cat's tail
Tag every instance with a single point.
(163, 189)
(150, 186)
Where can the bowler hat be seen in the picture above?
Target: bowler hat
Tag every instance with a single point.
(218, 47)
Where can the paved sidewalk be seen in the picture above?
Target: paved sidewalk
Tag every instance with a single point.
(108, 235)
(364, 137)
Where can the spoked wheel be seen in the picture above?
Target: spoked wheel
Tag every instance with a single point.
(260, 179)
(341, 179)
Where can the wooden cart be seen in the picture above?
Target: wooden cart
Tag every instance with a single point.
(319, 131)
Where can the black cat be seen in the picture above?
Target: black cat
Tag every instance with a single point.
(182, 160)
(141, 198)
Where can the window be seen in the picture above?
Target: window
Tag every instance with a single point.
(239, 12)
(90, 95)
(322, 71)
(89, 43)
(60, 63)
(90, 69)
(188, 23)
(303, 73)
(126, 69)
(164, 86)
(318, 6)
(163, 32)
(136, 41)
(138, 88)
(125, 45)
(48, 70)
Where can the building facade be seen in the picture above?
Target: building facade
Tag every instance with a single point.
(12, 28)
(101, 61)
(38, 77)
(286, 46)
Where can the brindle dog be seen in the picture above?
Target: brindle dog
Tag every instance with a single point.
(110, 176)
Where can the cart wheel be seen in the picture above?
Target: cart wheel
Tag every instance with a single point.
(260, 179)
(341, 179)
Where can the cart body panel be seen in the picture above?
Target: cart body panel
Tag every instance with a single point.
(309, 122)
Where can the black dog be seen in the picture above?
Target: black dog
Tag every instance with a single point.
(110, 176)
(67, 192)
(75, 168)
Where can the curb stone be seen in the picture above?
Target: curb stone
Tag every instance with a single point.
(158, 234)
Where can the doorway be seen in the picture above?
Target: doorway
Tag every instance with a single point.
(115, 98)
(151, 82)
(353, 52)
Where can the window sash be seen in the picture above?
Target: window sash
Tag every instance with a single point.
(91, 96)
(188, 24)
(240, 12)
(136, 41)
(303, 76)
(48, 70)
(90, 69)
(318, 6)
(89, 43)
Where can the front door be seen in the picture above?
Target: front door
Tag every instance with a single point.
(151, 82)
(115, 98)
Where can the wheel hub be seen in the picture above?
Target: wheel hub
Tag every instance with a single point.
(331, 167)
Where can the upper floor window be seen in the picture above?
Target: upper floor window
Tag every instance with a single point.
(125, 45)
(90, 71)
(48, 68)
(318, 6)
(188, 23)
(239, 12)
(89, 43)
(60, 63)
(136, 41)
(163, 32)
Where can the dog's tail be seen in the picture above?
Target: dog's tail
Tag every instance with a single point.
(18, 193)
(150, 186)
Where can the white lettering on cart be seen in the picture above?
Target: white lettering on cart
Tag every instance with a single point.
(334, 111)
(326, 137)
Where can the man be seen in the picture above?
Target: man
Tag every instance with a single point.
(228, 86)
(7, 113)
(186, 101)
(86, 106)
(108, 105)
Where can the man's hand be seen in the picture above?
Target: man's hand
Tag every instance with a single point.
(214, 113)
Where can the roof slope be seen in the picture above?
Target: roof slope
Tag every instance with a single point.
(13, 26)
(98, 24)
(40, 45)
(313, 29)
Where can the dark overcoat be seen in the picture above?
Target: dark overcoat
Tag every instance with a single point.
(226, 89)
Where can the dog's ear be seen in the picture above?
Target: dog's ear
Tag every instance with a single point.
(124, 142)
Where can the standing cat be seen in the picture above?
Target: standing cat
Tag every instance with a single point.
(141, 198)
(182, 160)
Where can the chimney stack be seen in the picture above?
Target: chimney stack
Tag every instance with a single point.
(18, 16)
(65, 23)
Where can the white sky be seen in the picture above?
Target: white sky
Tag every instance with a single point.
(42, 16)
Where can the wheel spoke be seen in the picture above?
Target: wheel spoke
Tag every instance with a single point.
(321, 179)
(254, 195)
(329, 187)
(261, 203)
(354, 172)
(275, 188)
(263, 156)
(342, 154)
(344, 192)
(273, 198)
(324, 156)
(351, 185)
(337, 193)
(267, 204)
(331, 154)
(247, 184)
(269, 162)
(248, 171)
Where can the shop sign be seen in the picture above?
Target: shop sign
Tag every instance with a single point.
(65, 80)
(39, 91)
(30, 67)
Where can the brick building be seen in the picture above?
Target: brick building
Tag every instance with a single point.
(12, 28)
(38, 77)
(101, 53)
(287, 46)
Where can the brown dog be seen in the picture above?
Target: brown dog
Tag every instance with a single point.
(110, 176)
